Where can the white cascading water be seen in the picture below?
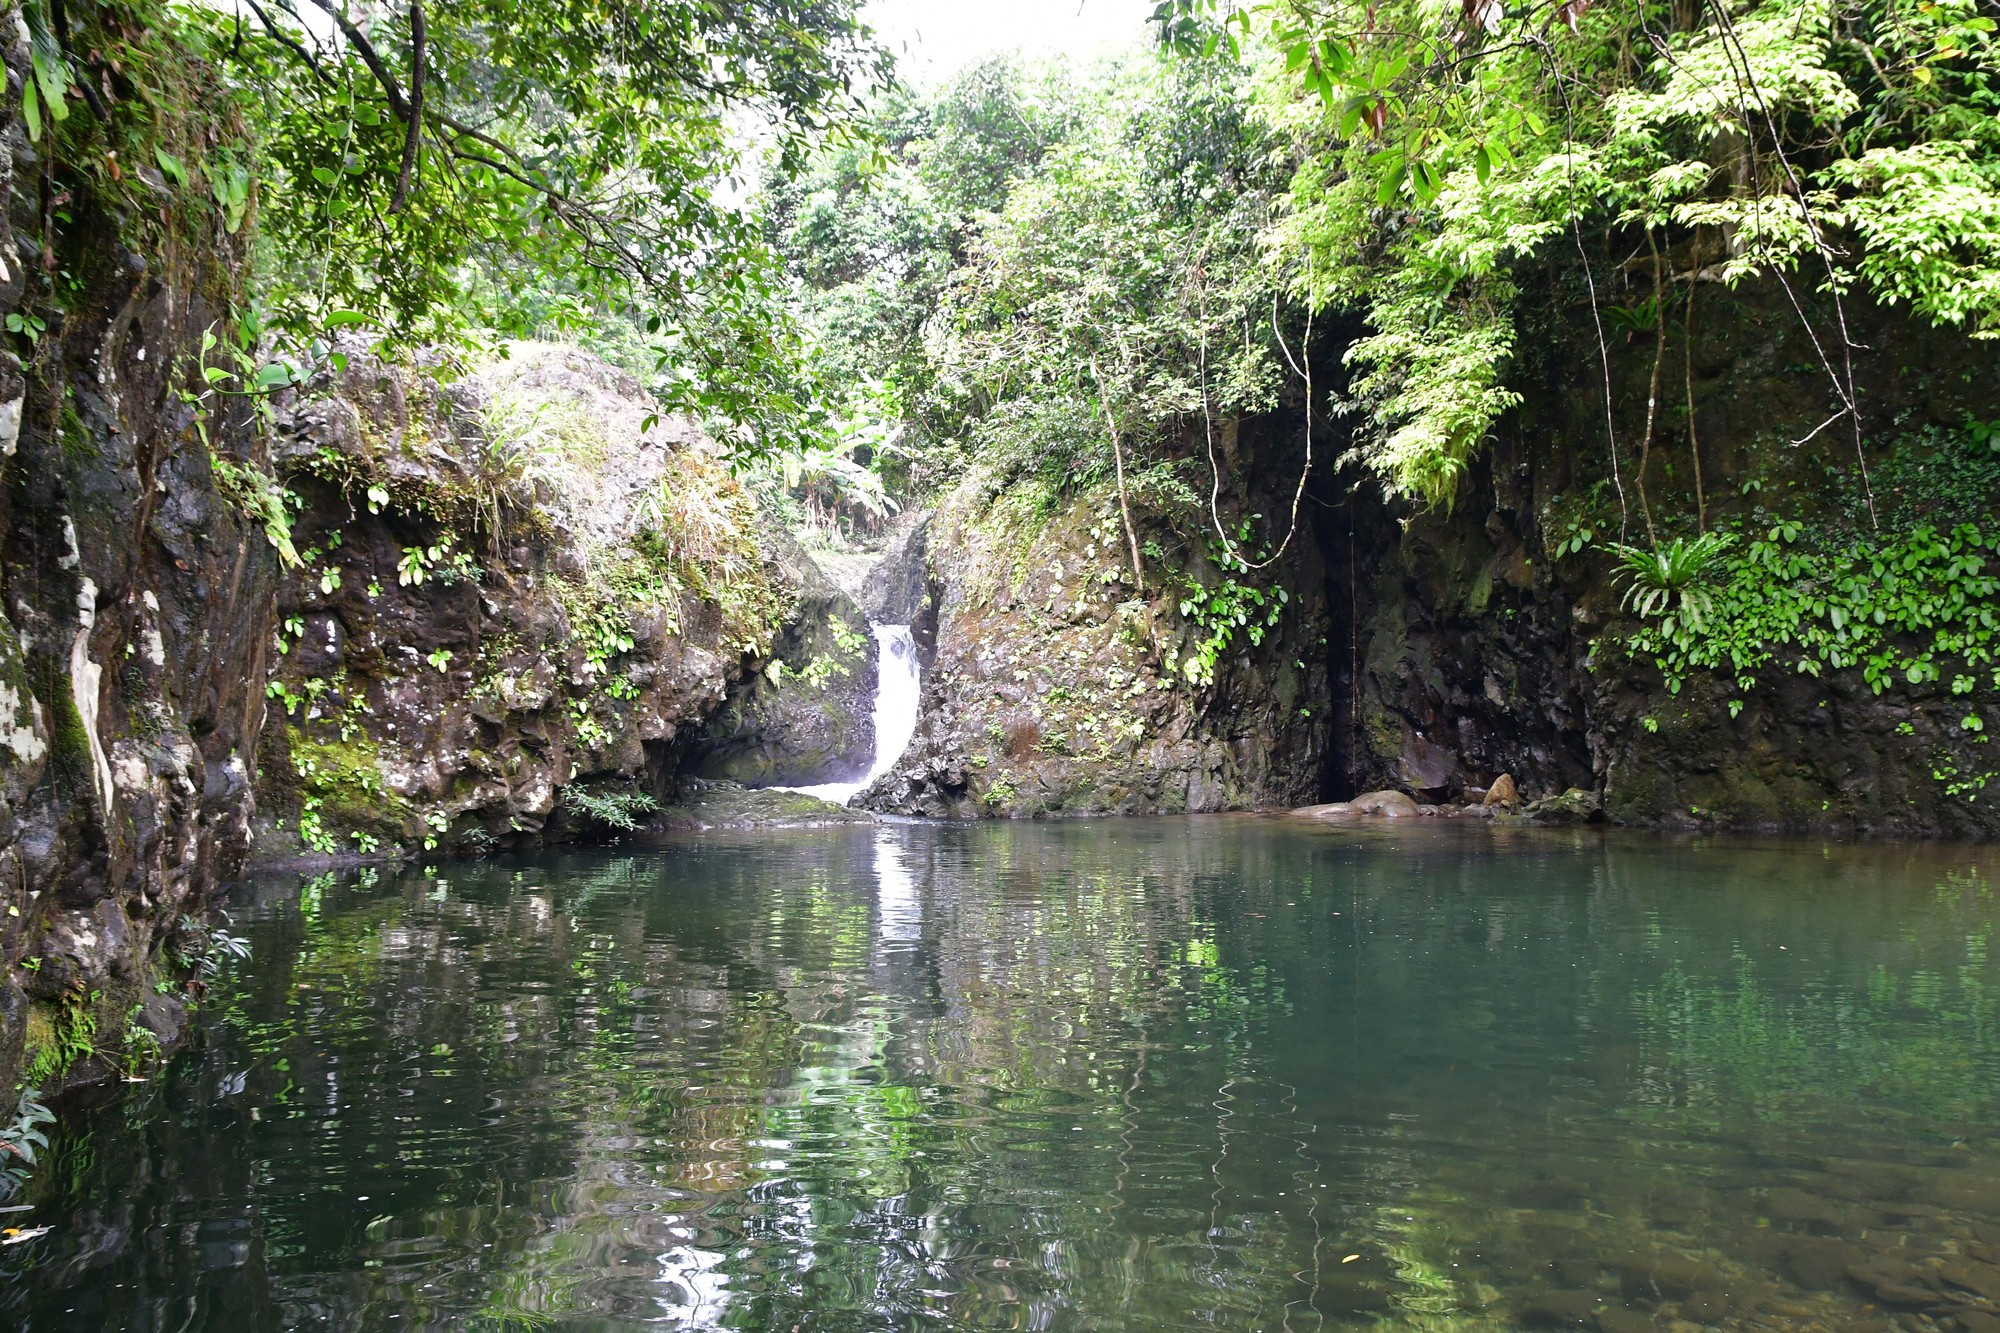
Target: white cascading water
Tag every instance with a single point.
(896, 682)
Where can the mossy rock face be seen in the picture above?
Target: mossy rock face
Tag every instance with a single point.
(727, 805)
(1054, 686)
(808, 717)
(459, 653)
(1575, 806)
(1494, 628)
(139, 599)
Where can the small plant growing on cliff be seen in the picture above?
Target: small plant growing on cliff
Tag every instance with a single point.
(851, 642)
(415, 566)
(261, 499)
(30, 327)
(1219, 611)
(312, 830)
(72, 1040)
(589, 730)
(207, 944)
(21, 1139)
(142, 1047)
(617, 809)
(1667, 579)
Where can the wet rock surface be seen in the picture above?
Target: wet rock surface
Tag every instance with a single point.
(135, 615)
(1478, 633)
(729, 805)
(896, 588)
(807, 717)
(1575, 806)
(1390, 804)
(1053, 686)
(502, 624)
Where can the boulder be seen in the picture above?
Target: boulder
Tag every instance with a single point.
(1332, 811)
(1425, 765)
(1575, 806)
(809, 715)
(1973, 1276)
(1661, 1274)
(1502, 792)
(1390, 804)
(1560, 1309)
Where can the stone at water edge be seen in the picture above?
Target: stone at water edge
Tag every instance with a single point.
(1389, 804)
(1575, 806)
(1502, 792)
(729, 805)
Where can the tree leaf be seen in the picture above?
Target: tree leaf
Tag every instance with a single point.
(1392, 181)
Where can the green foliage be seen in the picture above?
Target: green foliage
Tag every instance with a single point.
(609, 807)
(593, 735)
(605, 631)
(204, 945)
(58, 1046)
(1022, 224)
(1118, 280)
(583, 142)
(21, 1138)
(453, 171)
(1440, 154)
(850, 641)
(824, 667)
(1220, 610)
(1666, 581)
(258, 496)
(1907, 607)
(699, 533)
(342, 791)
(437, 562)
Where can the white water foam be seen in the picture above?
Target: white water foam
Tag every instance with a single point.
(896, 690)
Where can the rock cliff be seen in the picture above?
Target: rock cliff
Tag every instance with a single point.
(1431, 651)
(525, 608)
(1488, 640)
(137, 590)
(1055, 686)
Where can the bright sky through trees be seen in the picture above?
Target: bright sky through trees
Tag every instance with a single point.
(931, 38)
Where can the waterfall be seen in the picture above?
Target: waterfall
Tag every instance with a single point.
(896, 682)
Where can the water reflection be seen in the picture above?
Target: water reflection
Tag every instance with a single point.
(899, 913)
(1133, 1074)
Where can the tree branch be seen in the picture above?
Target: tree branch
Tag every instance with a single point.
(286, 40)
(413, 133)
(1118, 457)
(371, 58)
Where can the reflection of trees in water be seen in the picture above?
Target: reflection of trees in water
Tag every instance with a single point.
(1911, 1038)
(1104, 1074)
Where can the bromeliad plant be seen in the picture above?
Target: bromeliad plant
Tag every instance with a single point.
(1666, 582)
